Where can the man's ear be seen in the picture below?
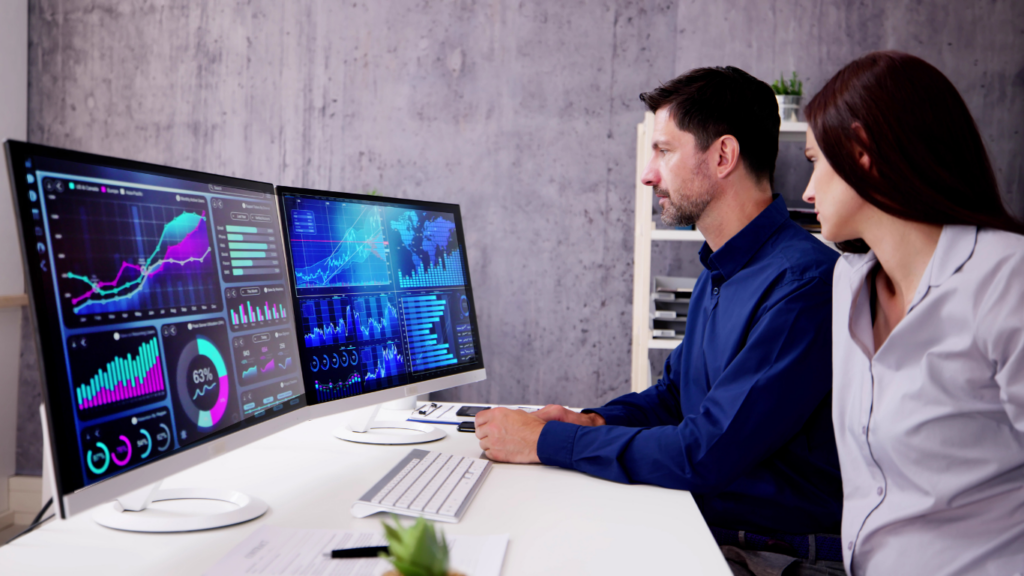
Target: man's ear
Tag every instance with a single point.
(727, 155)
(862, 155)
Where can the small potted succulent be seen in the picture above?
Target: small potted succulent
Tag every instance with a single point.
(416, 550)
(788, 93)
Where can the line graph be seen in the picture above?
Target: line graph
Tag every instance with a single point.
(339, 245)
(120, 258)
(202, 391)
(330, 321)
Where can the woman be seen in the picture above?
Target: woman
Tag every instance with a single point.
(928, 326)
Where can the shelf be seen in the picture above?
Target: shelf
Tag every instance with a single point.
(677, 235)
(793, 132)
(13, 301)
(696, 236)
(663, 343)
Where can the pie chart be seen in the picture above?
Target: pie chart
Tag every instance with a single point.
(202, 381)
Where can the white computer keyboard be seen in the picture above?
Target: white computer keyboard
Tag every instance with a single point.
(434, 485)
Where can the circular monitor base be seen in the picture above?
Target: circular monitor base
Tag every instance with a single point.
(377, 433)
(249, 508)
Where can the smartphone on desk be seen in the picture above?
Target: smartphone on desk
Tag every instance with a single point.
(470, 411)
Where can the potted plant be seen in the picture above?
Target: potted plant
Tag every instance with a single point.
(788, 93)
(417, 550)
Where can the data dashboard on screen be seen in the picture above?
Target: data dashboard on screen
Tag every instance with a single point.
(382, 290)
(166, 293)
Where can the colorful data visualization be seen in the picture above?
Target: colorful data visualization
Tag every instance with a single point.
(121, 258)
(339, 245)
(427, 254)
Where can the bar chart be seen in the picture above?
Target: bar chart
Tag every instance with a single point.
(252, 251)
(428, 331)
(115, 370)
(257, 306)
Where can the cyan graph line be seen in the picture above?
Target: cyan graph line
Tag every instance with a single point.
(145, 271)
(334, 264)
(202, 392)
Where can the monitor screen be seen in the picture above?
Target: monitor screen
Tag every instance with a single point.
(162, 303)
(382, 290)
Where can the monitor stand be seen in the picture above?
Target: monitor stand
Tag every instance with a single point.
(129, 511)
(373, 431)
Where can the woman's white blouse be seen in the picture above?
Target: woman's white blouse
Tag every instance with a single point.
(930, 429)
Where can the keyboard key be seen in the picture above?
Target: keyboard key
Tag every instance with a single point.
(394, 481)
(416, 489)
(435, 483)
(448, 486)
(408, 480)
(430, 483)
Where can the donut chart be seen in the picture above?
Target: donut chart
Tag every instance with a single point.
(202, 381)
(89, 460)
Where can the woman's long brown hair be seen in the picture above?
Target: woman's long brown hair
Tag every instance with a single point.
(928, 162)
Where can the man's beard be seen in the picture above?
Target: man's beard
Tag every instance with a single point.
(686, 209)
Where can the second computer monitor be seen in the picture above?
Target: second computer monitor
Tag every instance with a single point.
(383, 293)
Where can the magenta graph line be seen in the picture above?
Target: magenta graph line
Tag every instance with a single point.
(194, 247)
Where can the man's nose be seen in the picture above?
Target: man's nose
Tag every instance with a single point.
(650, 177)
(808, 195)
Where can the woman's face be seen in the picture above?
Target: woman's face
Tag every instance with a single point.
(840, 210)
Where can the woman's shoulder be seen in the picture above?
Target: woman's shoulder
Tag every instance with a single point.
(999, 243)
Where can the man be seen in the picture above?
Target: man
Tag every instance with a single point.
(742, 415)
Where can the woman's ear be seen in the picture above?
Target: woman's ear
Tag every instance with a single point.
(862, 155)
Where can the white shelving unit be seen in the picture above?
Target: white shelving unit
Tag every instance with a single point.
(645, 233)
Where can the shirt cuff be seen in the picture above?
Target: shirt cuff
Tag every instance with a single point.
(554, 447)
(613, 415)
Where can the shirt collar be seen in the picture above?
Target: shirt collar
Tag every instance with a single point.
(738, 250)
(955, 247)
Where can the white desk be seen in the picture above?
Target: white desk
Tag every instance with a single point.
(559, 521)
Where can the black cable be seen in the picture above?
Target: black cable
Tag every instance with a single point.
(36, 522)
(43, 511)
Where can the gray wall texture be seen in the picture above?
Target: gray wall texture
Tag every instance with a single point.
(524, 113)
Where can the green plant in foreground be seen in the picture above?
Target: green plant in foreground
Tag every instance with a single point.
(791, 87)
(416, 550)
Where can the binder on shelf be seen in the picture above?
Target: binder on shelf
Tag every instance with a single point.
(679, 286)
(670, 304)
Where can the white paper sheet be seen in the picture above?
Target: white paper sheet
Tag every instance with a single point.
(277, 551)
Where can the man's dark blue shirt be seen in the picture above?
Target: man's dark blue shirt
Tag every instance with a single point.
(742, 416)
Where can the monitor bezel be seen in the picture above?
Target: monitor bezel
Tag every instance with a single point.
(320, 409)
(74, 496)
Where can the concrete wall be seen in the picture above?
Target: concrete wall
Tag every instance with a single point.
(524, 113)
(13, 124)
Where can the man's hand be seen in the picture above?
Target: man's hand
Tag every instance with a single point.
(563, 414)
(509, 435)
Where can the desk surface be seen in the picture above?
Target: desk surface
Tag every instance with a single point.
(559, 521)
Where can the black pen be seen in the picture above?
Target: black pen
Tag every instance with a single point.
(365, 552)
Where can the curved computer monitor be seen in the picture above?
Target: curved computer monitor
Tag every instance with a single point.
(164, 316)
(382, 291)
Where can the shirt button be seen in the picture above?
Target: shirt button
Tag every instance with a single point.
(880, 490)
(714, 291)
(864, 430)
(849, 546)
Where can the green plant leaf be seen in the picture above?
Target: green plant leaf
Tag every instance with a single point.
(417, 550)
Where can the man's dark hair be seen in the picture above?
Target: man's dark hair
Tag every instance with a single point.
(712, 102)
